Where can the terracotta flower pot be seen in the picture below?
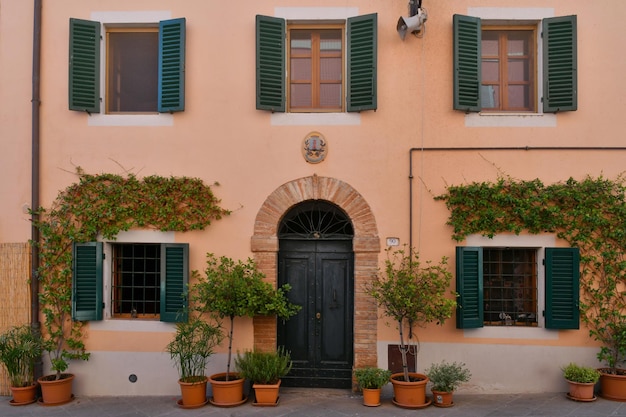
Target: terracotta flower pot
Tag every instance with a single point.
(266, 394)
(227, 393)
(613, 387)
(24, 395)
(56, 391)
(442, 398)
(193, 393)
(409, 394)
(371, 397)
(580, 391)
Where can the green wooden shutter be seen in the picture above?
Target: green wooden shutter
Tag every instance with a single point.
(172, 65)
(467, 63)
(469, 286)
(87, 281)
(562, 288)
(362, 38)
(84, 66)
(270, 63)
(560, 79)
(174, 280)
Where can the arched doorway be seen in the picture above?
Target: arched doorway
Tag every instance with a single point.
(365, 247)
(315, 258)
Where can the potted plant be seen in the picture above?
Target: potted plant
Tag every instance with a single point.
(582, 380)
(19, 348)
(413, 295)
(190, 350)
(264, 370)
(236, 289)
(445, 378)
(371, 380)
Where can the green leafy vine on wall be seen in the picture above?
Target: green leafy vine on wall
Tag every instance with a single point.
(104, 205)
(589, 214)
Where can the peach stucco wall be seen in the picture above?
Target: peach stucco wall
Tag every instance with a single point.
(222, 137)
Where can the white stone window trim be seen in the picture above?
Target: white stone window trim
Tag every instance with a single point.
(125, 18)
(538, 119)
(540, 242)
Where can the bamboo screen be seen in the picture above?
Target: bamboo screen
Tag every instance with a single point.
(14, 292)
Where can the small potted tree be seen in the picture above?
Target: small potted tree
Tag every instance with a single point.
(236, 289)
(371, 380)
(190, 350)
(445, 378)
(413, 295)
(19, 348)
(581, 380)
(264, 370)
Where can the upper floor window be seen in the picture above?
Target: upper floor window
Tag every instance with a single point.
(508, 69)
(306, 74)
(496, 65)
(145, 67)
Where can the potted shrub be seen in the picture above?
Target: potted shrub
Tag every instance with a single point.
(582, 380)
(236, 289)
(445, 378)
(413, 295)
(264, 370)
(190, 350)
(371, 380)
(19, 348)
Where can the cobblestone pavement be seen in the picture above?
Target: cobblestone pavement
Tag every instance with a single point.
(308, 402)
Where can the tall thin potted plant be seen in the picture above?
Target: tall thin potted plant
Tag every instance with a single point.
(413, 294)
(20, 346)
(193, 344)
(233, 289)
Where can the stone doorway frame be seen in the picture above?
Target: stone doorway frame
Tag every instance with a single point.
(366, 247)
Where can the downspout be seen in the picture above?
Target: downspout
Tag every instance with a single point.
(35, 103)
(510, 148)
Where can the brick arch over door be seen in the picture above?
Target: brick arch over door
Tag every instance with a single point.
(366, 246)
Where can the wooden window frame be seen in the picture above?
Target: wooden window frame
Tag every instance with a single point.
(315, 70)
(115, 29)
(503, 67)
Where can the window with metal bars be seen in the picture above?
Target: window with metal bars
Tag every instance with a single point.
(136, 270)
(510, 286)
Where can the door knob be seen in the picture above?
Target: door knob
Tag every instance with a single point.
(318, 316)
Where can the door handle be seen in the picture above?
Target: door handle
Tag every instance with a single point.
(318, 316)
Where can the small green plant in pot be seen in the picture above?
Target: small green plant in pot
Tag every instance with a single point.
(446, 378)
(20, 346)
(264, 370)
(371, 380)
(581, 380)
(193, 344)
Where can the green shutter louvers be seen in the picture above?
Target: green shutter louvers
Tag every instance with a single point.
(469, 286)
(362, 39)
(560, 78)
(270, 63)
(174, 280)
(562, 288)
(87, 281)
(172, 65)
(467, 34)
(84, 66)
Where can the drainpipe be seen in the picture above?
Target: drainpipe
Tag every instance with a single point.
(510, 148)
(35, 103)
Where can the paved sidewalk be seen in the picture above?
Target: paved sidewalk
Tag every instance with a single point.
(308, 402)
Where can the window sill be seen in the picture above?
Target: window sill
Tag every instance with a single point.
(162, 119)
(511, 332)
(315, 119)
(510, 120)
(132, 325)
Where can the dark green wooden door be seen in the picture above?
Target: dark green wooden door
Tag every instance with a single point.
(320, 337)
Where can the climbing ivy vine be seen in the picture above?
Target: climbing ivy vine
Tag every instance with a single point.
(104, 205)
(589, 214)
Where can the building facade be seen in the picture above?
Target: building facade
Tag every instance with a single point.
(329, 135)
